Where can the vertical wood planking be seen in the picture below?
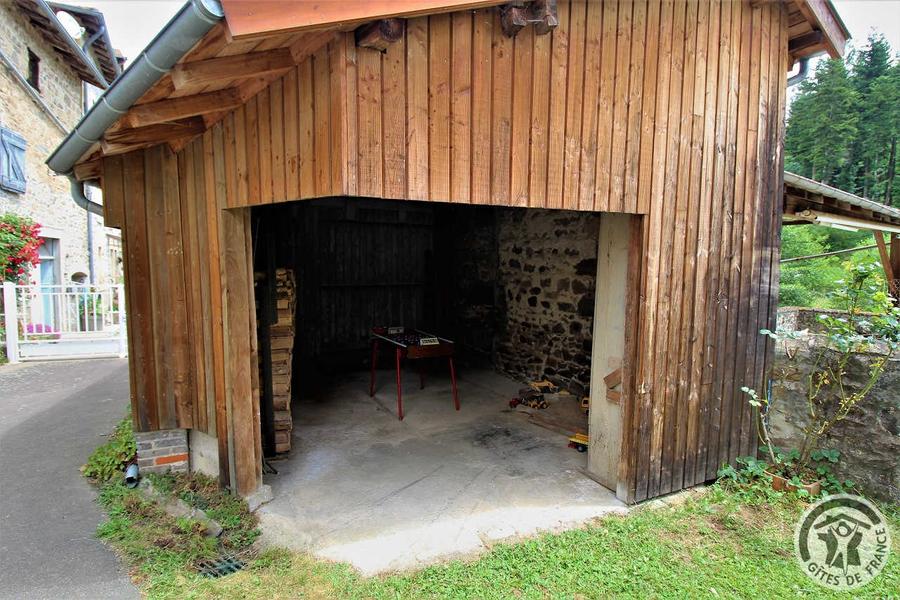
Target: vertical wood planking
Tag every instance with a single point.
(251, 137)
(216, 199)
(482, 34)
(461, 108)
(322, 122)
(620, 107)
(501, 113)
(266, 141)
(439, 107)
(575, 82)
(520, 142)
(180, 349)
(291, 136)
(688, 393)
(698, 389)
(417, 108)
(685, 233)
(556, 126)
(138, 278)
(540, 107)
(602, 200)
(635, 96)
(159, 289)
(306, 170)
(277, 135)
(673, 218)
(648, 107)
(342, 67)
(369, 101)
(393, 65)
(657, 227)
(590, 108)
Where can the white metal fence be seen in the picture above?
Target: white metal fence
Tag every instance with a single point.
(64, 321)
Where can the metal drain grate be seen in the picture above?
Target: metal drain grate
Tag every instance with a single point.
(219, 567)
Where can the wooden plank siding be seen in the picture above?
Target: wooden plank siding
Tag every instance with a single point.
(672, 112)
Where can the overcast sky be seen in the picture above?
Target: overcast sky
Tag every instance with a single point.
(133, 23)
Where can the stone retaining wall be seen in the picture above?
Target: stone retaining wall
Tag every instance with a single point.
(868, 439)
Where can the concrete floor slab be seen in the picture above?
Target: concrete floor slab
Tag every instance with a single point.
(365, 488)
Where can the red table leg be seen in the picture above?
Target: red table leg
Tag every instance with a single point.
(453, 383)
(374, 361)
(421, 375)
(399, 392)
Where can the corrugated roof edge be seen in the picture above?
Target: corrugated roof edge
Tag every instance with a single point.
(180, 34)
(811, 185)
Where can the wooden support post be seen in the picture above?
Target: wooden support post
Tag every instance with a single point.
(380, 34)
(886, 262)
(895, 266)
(889, 262)
(243, 414)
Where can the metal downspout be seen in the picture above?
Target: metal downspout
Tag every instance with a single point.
(78, 196)
(802, 72)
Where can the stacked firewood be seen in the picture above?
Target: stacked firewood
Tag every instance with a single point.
(281, 336)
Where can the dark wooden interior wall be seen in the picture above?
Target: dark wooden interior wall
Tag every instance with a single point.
(670, 110)
(358, 263)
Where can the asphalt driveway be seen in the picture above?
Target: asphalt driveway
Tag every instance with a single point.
(52, 415)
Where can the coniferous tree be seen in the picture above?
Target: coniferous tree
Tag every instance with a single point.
(844, 123)
(823, 124)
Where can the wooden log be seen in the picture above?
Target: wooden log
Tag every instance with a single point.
(380, 34)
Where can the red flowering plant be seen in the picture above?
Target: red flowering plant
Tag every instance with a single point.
(19, 243)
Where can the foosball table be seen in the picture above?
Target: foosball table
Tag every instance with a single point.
(411, 344)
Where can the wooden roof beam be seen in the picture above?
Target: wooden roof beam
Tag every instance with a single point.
(91, 169)
(156, 134)
(822, 16)
(227, 68)
(805, 43)
(174, 109)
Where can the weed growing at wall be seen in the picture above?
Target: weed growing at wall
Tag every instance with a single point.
(111, 458)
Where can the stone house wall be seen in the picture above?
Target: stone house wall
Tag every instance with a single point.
(47, 199)
(868, 439)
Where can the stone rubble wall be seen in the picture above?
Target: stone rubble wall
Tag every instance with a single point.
(547, 275)
(868, 439)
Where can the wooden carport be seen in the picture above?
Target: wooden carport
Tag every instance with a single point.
(671, 112)
(808, 201)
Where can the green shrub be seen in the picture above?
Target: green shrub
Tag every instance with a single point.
(111, 458)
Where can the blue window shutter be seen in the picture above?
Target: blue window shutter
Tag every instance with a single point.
(12, 161)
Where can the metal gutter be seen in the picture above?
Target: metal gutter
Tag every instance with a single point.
(71, 43)
(180, 34)
(804, 183)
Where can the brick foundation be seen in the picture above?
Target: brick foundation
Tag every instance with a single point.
(161, 451)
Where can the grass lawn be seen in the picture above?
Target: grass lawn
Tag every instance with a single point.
(718, 544)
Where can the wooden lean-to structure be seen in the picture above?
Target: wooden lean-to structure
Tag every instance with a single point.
(669, 112)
